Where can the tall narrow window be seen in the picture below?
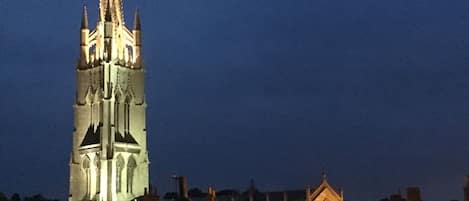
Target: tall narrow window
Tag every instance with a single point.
(97, 165)
(127, 117)
(128, 101)
(120, 167)
(92, 53)
(131, 165)
(118, 112)
(87, 176)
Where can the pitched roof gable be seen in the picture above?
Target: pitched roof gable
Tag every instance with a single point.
(323, 188)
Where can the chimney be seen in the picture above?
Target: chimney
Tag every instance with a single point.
(252, 190)
(413, 194)
(466, 189)
(183, 187)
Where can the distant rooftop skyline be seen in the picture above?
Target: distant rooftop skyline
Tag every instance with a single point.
(376, 92)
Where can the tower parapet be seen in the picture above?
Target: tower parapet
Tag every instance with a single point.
(84, 40)
(111, 39)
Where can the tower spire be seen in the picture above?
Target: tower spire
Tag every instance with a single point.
(137, 23)
(108, 16)
(84, 18)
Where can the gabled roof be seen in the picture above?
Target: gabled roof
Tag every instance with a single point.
(324, 186)
(291, 195)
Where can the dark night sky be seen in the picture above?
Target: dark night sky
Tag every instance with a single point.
(375, 91)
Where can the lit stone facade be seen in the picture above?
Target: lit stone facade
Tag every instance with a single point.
(109, 159)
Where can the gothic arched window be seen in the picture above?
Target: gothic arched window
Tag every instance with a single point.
(128, 101)
(97, 166)
(131, 165)
(120, 167)
(87, 175)
(118, 114)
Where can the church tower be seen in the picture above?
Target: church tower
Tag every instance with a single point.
(109, 159)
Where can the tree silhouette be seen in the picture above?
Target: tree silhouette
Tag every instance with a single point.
(15, 197)
(3, 197)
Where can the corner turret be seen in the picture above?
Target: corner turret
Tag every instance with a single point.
(84, 18)
(84, 39)
(137, 39)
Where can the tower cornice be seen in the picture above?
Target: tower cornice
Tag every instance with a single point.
(111, 40)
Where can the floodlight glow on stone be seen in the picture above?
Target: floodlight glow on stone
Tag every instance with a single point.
(109, 160)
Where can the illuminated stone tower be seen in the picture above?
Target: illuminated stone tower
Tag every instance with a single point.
(109, 159)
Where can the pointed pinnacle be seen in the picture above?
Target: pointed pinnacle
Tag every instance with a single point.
(108, 16)
(100, 18)
(84, 19)
(324, 175)
(137, 23)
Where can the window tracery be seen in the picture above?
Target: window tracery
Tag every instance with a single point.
(87, 175)
(120, 167)
(131, 165)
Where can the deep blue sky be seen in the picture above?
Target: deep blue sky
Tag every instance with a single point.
(375, 91)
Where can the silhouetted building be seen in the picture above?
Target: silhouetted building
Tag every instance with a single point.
(151, 195)
(413, 194)
(289, 195)
(396, 197)
(183, 194)
(170, 196)
(322, 192)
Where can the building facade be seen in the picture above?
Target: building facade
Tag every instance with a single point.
(109, 159)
